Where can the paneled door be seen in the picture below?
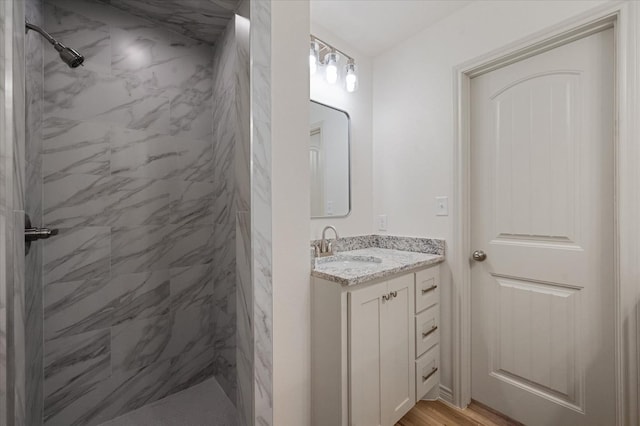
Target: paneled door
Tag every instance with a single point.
(542, 232)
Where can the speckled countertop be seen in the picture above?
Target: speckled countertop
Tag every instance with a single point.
(359, 266)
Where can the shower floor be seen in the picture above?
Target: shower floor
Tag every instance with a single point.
(205, 404)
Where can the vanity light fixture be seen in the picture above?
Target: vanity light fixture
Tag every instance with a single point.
(332, 67)
(351, 79)
(324, 54)
(313, 57)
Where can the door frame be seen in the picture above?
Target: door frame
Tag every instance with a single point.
(623, 17)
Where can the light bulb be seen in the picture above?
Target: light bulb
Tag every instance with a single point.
(351, 78)
(313, 64)
(313, 58)
(332, 67)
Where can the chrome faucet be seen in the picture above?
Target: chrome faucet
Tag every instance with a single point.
(325, 248)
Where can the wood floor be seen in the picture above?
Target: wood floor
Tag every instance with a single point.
(437, 413)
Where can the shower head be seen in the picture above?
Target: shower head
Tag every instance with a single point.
(70, 56)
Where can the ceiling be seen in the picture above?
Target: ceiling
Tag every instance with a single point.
(373, 26)
(202, 20)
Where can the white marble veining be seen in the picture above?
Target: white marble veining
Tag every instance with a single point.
(131, 313)
(204, 404)
(18, 311)
(261, 212)
(34, 92)
(86, 35)
(243, 112)
(198, 19)
(139, 298)
(20, 337)
(244, 312)
(244, 293)
(6, 172)
(8, 415)
(370, 264)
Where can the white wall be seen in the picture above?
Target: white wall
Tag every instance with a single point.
(413, 117)
(358, 105)
(291, 210)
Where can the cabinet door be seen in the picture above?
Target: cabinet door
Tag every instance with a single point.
(397, 341)
(365, 316)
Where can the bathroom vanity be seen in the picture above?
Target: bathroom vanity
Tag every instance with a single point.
(375, 336)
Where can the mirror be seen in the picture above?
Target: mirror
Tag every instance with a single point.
(329, 160)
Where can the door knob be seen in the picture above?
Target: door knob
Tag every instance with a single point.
(479, 256)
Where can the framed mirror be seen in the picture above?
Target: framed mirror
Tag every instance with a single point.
(329, 152)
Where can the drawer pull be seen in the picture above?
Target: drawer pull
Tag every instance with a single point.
(427, 290)
(390, 296)
(428, 376)
(426, 333)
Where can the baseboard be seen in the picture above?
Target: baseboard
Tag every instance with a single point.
(446, 395)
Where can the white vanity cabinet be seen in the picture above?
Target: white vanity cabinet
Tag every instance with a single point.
(427, 330)
(367, 355)
(381, 370)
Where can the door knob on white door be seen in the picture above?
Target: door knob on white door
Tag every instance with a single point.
(479, 256)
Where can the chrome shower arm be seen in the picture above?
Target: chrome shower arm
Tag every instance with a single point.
(42, 32)
(70, 56)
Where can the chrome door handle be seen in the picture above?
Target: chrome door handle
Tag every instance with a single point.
(479, 256)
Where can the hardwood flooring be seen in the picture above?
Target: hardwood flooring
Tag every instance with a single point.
(437, 413)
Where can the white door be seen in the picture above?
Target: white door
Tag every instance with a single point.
(542, 205)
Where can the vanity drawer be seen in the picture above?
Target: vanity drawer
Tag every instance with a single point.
(427, 332)
(427, 288)
(427, 371)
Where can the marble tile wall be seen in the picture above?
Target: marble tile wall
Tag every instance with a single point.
(261, 214)
(244, 309)
(244, 294)
(34, 84)
(225, 122)
(17, 341)
(137, 286)
(203, 20)
(232, 187)
(6, 219)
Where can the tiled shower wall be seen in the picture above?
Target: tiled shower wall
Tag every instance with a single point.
(137, 284)
(231, 187)
(33, 206)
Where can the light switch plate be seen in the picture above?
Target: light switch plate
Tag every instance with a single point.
(442, 206)
(382, 222)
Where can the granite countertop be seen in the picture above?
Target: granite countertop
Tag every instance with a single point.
(358, 266)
